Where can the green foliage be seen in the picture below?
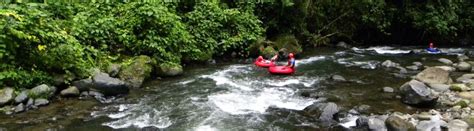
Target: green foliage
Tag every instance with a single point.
(219, 30)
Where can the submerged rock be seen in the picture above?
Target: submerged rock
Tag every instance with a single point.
(136, 72)
(338, 78)
(71, 91)
(413, 67)
(388, 89)
(108, 85)
(22, 97)
(417, 63)
(417, 93)
(389, 64)
(6, 95)
(445, 61)
(42, 91)
(434, 76)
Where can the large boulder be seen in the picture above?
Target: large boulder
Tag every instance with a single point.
(108, 85)
(417, 93)
(6, 95)
(41, 102)
(463, 66)
(434, 76)
(398, 123)
(169, 69)
(445, 61)
(137, 71)
(84, 84)
(42, 91)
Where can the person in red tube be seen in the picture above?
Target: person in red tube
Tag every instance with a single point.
(291, 60)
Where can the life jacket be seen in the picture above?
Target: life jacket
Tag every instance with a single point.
(292, 62)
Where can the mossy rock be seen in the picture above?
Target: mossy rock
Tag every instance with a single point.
(169, 69)
(42, 91)
(458, 87)
(136, 70)
(288, 44)
(462, 103)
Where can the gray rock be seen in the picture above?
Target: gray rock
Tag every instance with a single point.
(338, 78)
(413, 67)
(84, 84)
(417, 63)
(446, 68)
(377, 124)
(388, 89)
(362, 121)
(71, 91)
(439, 87)
(6, 95)
(389, 64)
(108, 85)
(462, 57)
(397, 123)
(41, 102)
(428, 126)
(343, 44)
(463, 66)
(457, 125)
(22, 97)
(95, 94)
(328, 112)
(445, 61)
(30, 103)
(417, 93)
(433, 76)
(19, 108)
(363, 109)
(113, 69)
(42, 91)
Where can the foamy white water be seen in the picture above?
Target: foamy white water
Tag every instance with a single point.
(244, 103)
(382, 50)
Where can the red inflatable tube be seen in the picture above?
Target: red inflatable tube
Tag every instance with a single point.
(281, 70)
(264, 64)
(260, 62)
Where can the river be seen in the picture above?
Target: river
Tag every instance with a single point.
(234, 96)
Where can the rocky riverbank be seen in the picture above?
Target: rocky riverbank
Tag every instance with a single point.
(119, 80)
(448, 103)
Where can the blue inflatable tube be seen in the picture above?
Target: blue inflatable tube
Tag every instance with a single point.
(433, 50)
